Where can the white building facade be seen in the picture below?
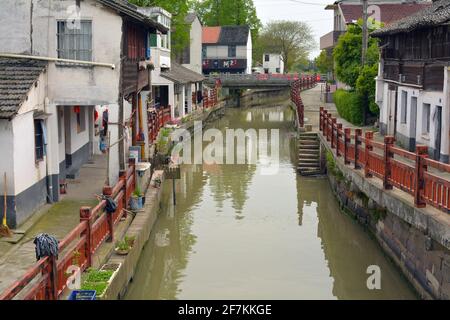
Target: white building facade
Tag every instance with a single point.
(273, 63)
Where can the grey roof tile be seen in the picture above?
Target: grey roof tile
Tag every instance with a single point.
(17, 76)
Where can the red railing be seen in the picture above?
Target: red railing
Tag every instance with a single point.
(47, 278)
(210, 98)
(428, 181)
(306, 82)
(157, 119)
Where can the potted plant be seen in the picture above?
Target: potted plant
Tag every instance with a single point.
(136, 202)
(122, 248)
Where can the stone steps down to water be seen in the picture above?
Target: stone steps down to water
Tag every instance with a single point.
(309, 154)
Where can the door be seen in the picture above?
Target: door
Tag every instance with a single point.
(392, 100)
(413, 124)
(438, 133)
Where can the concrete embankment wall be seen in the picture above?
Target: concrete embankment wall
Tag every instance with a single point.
(256, 98)
(417, 240)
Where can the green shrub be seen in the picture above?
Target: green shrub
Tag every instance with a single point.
(349, 106)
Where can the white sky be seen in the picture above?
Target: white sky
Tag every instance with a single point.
(310, 11)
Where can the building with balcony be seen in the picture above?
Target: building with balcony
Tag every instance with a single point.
(227, 49)
(86, 64)
(413, 86)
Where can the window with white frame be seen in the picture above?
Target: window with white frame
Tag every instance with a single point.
(404, 107)
(75, 41)
(426, 118)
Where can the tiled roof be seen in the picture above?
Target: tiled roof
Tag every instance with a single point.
(390, 12)
(182, 75)
(226, 35)
(231, 35)
(435, 15)
(17, 76)
(211, 35)
(133, 11)
(190, 17)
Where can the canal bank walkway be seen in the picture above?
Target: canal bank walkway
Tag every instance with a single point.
(17, 254)
(311, 100)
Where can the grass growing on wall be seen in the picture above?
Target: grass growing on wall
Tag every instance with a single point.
(349, 106)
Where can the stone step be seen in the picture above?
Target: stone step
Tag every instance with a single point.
(306, 167)
(308, 143)
(308, 138)
(310, 173)
(307, 156)
(309, 161)
(305, 147)
(309, 151)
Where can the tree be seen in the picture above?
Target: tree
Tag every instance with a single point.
(324, 62)
(229, 12)
(347, 55)
(293, 39)
(179, 9)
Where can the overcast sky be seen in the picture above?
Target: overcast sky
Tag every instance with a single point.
(310, 11)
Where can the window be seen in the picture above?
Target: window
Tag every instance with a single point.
(39, 140)
(277, 70)
(404, 107)
(81, 118)
(153, 40)
(75, 41)
(232, 51)
(426, 118)
(266, 58)
(266, 71)
(165, 43)
(204, 51)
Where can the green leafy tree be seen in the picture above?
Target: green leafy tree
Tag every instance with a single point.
(324, 62)
(179, 9)
(365, 86)
(229, 12)
(293, 39)
(347, 54)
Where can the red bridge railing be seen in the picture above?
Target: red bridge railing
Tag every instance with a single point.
(304, 83)
(425, 179)
(47, 278)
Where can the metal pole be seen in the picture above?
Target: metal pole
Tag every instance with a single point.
(365, 33)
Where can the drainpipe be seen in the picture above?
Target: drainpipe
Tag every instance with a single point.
(90, 63)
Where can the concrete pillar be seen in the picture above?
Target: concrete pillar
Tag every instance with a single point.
(189, 97)
(182, 100)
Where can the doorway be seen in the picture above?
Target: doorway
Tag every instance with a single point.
(413, 124)
(438, 133)
(392, 110)
(67, 136)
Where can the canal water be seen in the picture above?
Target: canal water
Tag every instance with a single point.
(238, 234)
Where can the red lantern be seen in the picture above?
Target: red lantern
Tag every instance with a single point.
(76, 109)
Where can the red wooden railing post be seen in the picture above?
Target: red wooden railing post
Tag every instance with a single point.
(123, 177)
(321, 119)
(107, 192)
(333, 125)
(358, 135)
(327, 123)
(388, 155)
(338, 138)
(347, 133)
(52, 283)
(85, 215)
(421, 167)
(369, 148)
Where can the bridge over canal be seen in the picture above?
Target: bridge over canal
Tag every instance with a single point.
(256, 81)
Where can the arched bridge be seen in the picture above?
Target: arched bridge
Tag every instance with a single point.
(256, 81)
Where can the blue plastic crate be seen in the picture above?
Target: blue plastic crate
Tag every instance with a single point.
(83, 295)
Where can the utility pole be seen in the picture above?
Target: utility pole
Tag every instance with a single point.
(365, 33)
(365, 45)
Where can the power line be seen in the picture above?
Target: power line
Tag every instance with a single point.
(310, 3)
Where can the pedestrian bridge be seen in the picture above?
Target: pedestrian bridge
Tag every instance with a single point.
(255, 81)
